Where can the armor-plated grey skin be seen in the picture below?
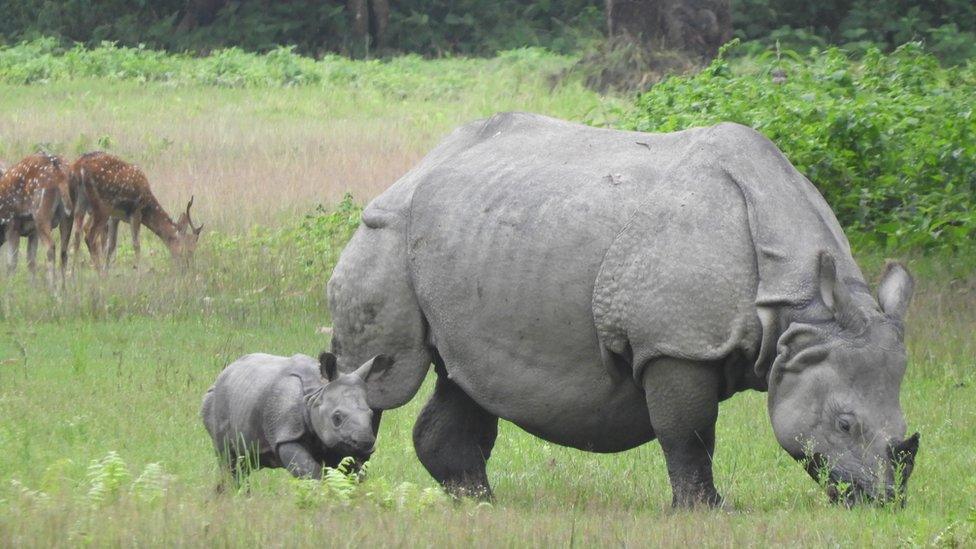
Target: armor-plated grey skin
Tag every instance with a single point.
(603, 288)
(292, 412)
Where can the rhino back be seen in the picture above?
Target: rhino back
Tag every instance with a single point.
(735, 226)
(256, 403)
(542, 241)
(505, 244)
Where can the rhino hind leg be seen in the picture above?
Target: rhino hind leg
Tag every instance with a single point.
(682, 400)
(453, 438)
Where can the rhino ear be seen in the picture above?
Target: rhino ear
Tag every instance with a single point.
(328, 366)
(833, 292)
(895, 290)
(376, 365)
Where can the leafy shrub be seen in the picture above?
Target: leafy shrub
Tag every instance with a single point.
(343, 485)
(106, 478)
(109, 480)
(890, 141)
(44, 60)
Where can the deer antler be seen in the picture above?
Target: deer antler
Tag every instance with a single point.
(189, 220)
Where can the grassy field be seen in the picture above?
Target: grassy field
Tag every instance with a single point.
(100, 387)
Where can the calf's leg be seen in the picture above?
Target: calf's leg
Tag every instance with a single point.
(299, 461)
(682, 400)
(453, 438)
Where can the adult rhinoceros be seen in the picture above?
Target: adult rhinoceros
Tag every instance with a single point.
(603, 288)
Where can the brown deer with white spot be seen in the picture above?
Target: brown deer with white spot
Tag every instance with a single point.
(35, 198)
(114, 190)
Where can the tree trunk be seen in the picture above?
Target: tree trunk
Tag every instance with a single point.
(369, 19)
(694, 26)
(199, 13)
(379, 18)
(359, 16)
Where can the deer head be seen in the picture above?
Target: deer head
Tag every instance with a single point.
(187, 234)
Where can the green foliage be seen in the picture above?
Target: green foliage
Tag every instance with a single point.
(151, 484)
(44, 60)
(890, 141)
(948, 27)
(106, 479)
(309, 246)
(344, 485)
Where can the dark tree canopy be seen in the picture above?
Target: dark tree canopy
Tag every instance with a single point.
(483, 27)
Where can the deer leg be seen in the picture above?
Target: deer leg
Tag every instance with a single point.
(12, 236)
(135, 223)
(32, 253)
(95, 236)
(78, 223)
(113, 240)
(65, 229)
(42, 231)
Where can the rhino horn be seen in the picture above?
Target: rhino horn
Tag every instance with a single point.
(904, 452)
(377, 364)
(902, 456)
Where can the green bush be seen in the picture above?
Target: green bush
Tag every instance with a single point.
(889, 140)
(44, 60)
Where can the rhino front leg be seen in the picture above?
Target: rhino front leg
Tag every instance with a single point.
(299, 461)
(682, 400)
(454, 437)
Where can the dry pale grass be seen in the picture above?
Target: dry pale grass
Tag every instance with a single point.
(253, 156)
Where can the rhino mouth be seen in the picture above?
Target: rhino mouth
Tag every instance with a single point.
(358, 454)
(845, 488)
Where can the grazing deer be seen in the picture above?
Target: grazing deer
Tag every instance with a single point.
(35, 198)
(114, 190)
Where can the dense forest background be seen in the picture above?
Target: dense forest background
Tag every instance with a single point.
(479, 27)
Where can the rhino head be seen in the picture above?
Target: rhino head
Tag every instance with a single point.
(338, 411)
(834, 388)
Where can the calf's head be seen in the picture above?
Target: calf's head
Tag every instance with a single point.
(834, 389)
(338, 411)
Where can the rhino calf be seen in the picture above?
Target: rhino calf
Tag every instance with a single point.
(292, 412)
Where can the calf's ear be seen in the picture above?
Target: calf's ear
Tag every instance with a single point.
(328, 366)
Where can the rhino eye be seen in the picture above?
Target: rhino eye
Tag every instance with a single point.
(337, 419)
(844, 424)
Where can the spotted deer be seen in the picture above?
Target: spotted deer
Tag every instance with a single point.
(35, 198)
(115, 190)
